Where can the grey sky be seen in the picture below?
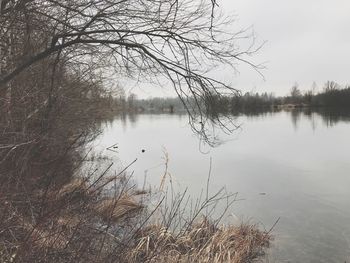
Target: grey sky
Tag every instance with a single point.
(307, 41)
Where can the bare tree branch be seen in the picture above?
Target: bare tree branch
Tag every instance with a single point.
(181, 40)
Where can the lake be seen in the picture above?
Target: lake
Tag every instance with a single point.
(289, 165)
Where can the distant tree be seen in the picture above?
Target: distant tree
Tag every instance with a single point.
(171, 108)
(131, 101)
(308, 95)
(295, 94)
(331, 86)
(295, 91)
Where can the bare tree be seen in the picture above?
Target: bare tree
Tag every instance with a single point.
(178, 39)
(54, 55)
(295, 92)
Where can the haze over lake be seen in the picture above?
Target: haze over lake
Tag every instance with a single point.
(288, 165)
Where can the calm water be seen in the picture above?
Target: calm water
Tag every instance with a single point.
(288, 165)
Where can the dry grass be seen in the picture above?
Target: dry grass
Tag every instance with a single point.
(82, 226)
(117, 208)
(75, 186)
(204, 242)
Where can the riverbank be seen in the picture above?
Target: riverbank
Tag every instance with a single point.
(84, 220)
(54, 211)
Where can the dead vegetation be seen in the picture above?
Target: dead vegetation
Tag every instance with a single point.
(203, 242)
(115, 209)
(52, 98)
(81, 223)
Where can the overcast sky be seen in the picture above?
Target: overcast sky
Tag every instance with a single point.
(307, 41)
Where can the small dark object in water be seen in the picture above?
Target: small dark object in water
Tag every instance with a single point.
(143, 150)
(115, 147)
(262, 193)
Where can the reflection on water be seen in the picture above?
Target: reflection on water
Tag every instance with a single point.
(299, 160)
(329, 116)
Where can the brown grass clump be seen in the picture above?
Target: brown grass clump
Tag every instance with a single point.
(116, 208)
(204, 242)
(76, 186)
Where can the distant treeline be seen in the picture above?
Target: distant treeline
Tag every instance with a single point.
(132, 104)
(332, 95)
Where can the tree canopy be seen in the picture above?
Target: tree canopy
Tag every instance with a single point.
(180, 40)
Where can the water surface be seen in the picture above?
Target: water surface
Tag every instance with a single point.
(289, 165)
